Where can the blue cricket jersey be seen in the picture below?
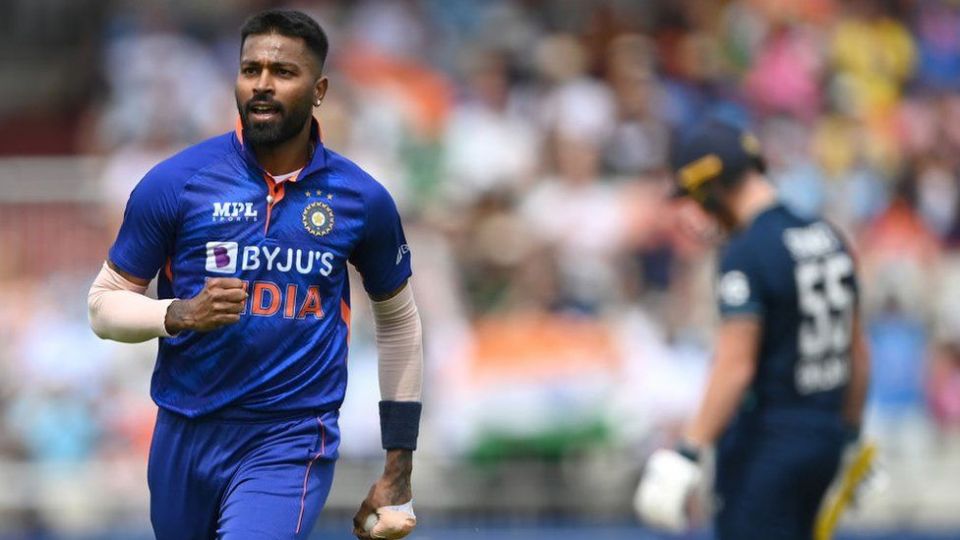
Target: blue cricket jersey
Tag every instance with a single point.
(797, 276)
(211, 211)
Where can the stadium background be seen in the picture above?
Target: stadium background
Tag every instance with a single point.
(567, 320)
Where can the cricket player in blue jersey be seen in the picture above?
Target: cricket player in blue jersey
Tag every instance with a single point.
(249, 235)
(786, 390)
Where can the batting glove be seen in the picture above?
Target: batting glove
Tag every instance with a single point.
(669, 479)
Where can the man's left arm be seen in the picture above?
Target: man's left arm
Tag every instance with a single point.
(382, 257)
(741, 303)
(672, 475)
(387, 512)
(662, 498)
(734, 365)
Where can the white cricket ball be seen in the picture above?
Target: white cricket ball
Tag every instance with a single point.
(370, 522)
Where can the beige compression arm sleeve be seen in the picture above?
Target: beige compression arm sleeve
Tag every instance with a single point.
(400, 347)
(118, 309)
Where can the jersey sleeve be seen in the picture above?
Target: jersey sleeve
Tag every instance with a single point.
(738, 285)
(148, 231)
(382, 255)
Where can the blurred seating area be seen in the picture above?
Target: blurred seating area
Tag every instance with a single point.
(567, 313)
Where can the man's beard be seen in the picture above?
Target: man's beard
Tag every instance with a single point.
(285, 126)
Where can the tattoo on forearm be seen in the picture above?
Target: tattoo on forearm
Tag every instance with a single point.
(398, 469)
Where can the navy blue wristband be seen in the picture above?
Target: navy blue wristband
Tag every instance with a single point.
(400, 424)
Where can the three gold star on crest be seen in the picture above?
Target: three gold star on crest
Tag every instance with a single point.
(320, 194)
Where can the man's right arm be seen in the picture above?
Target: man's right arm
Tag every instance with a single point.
(119, 310)
(146, 241)
(859, 376)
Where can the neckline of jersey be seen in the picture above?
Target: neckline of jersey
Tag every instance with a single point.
(318, 161)
(290, 176)
(777, 205)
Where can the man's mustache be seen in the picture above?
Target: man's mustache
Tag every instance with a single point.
(262, 100)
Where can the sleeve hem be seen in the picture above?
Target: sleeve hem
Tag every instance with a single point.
(742, 314)
(394, 285)
(124, 264)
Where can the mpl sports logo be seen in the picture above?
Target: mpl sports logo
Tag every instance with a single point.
(234, 211)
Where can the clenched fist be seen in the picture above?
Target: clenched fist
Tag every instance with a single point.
(218, 304)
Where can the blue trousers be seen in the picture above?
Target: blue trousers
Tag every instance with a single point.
(238, 479)
(772, 475)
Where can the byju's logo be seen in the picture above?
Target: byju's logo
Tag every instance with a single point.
(403, 250)
(222, 257)
(228, 258)
(234, 211)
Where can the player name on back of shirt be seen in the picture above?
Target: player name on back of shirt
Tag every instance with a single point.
(815, 240)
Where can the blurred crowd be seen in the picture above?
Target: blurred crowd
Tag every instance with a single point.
(527, 145)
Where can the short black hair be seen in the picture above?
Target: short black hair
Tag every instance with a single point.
(290, 23)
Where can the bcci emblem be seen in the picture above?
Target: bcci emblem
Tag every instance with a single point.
(318, 218)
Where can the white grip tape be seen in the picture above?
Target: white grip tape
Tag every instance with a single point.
(391, 522)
